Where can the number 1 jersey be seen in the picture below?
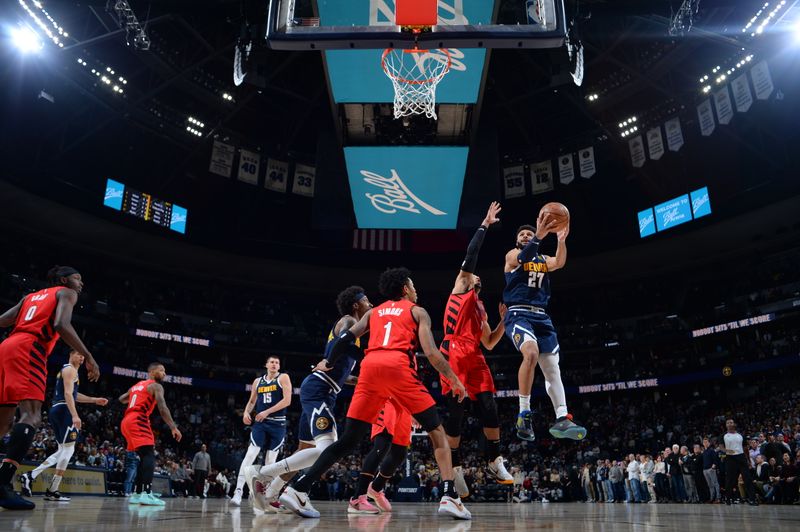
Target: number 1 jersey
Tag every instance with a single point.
(392, 328)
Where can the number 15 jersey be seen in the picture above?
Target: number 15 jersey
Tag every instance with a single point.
(392, 328)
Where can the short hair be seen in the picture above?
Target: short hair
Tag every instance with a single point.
(56, 273)
(272, 356)
(154, 365)
(525, 227)
(347, 298)
(392, 281)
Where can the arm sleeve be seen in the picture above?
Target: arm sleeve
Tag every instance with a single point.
(530, 251)
(471, 260)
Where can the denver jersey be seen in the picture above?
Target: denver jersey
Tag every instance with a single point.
(393, 328)
(58, 396)
(528, 284)
(463, 318)
(36, 318)
(269, 392)
(344, 365)
(140, 402)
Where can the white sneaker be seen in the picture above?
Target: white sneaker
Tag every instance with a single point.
(253, 479)
(274, 488)
(459, 483)
(236, 500)
(453, 508)
(497, 470)
(298, 502)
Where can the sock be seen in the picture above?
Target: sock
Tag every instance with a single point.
(524, 403)
(455, 456)
(449, 489)
(561, 411)
(380, 482)
(364, 480)
(296, 462)
(55, 483)
(16, 450)
(492, 450)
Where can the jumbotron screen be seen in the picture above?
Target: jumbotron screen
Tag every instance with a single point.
(144, 206)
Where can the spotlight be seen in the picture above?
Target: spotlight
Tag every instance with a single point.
(26, 39)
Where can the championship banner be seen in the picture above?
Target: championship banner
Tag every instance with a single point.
(706, 118)
(541, 177)
(722, 101)
(655, 143)
(741, 93)
(586, 162)
(221, 159)
(674, 134)
(565, 170)
(514, 181)
(277, 175)
(304, 180)
(762, 80)
(249, 163)
(637, 151)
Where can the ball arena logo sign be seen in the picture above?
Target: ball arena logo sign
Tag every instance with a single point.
(396, 195)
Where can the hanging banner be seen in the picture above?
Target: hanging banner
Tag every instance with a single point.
(674, 134)
(741, 93)
(762, 80)
(655, 143)
(722, 101)
(304, 180)
(221, 159)
(541, 177)
(277, 175)
(637, 151)
(706, 118)
(514, 181)
(586, 162)
(249, 163)
(565, 171)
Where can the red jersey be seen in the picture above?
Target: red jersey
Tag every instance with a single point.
(36, 317)
(141, 403)
(393, 328)
(463, 319)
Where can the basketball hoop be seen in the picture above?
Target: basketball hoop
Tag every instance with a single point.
(415, 74)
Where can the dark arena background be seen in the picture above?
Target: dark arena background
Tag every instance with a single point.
(218, 171)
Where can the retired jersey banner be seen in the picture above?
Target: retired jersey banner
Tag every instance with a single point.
(762, 80)
(221, 159)
(586, 162)
(674, 134)
(514, 181)
(249, 162)
(277, 175)
(304, 177)
(566, 173)
(541, 177)
(655, 143)
(722, 101)
(637, 151)
(741, 93)
(706, 118)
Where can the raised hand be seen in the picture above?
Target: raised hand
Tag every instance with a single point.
(491, 214)
(562, 235)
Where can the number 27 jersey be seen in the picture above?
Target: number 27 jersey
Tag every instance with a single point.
(392, 328)
(528, 284)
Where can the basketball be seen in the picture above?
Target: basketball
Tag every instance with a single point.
(557, 211)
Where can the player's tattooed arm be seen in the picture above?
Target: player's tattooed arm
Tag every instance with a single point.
(158, 392)
(124, 397)
(9, 317)
(435, 357)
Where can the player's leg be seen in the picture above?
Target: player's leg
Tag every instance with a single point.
(65, 452)
(372, 462)
(401, 440)
(487, 411)
(453, 427)
(148, 468)
(519, 328)
(17, 447)
(249, 459)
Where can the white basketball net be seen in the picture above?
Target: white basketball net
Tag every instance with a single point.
(415, 75)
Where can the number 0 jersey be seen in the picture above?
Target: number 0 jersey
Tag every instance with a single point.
(140, 402)
(36, 317)
(269, 392)
(528, 284)
(392, 328)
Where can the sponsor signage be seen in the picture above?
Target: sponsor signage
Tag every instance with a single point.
(674, 212)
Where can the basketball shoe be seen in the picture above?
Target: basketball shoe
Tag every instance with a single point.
(379, 498)
(55, 496)
(298, 502)
(360, 505)
(148, 499)
(497, 470)
(525, 426)
(564, 427)
(454, 508)
(26, 480)
(236, 500)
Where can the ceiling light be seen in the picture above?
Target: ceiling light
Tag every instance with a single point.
(26, 39)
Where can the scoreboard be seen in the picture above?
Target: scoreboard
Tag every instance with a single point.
(145, 207)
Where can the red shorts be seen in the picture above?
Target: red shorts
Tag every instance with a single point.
(137, 431)
(387, 374)
(23, 369)
(471, 369)
(394, 420)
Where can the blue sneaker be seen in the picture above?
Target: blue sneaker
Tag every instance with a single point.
(525, 426)
(564, 427)
(148, 499)
(135, 498)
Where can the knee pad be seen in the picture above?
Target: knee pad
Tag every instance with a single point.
(324, 441)
(429, 419)
(455, 417)
(488, 408)
(65, 452)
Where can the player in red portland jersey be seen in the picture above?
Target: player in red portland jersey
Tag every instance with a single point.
(38, 321)
(465, 329)
(398, 327)
(141, 399)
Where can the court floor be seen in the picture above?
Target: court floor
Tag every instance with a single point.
(113, 514)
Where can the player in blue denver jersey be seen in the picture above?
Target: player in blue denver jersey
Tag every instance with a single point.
(527, 324)
(63, 416)
(270, 394)
(318, 394)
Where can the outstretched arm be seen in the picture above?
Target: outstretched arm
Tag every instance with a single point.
(158, 392)
(464, 279)
(9, 317)
(434, 355)
(99, 401)
(62, 323)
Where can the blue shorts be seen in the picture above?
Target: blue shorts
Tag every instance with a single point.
(268, 435)
(525, 325)
(318, 401)
(61, 420)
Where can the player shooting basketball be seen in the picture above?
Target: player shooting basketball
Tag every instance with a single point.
(527, 324)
